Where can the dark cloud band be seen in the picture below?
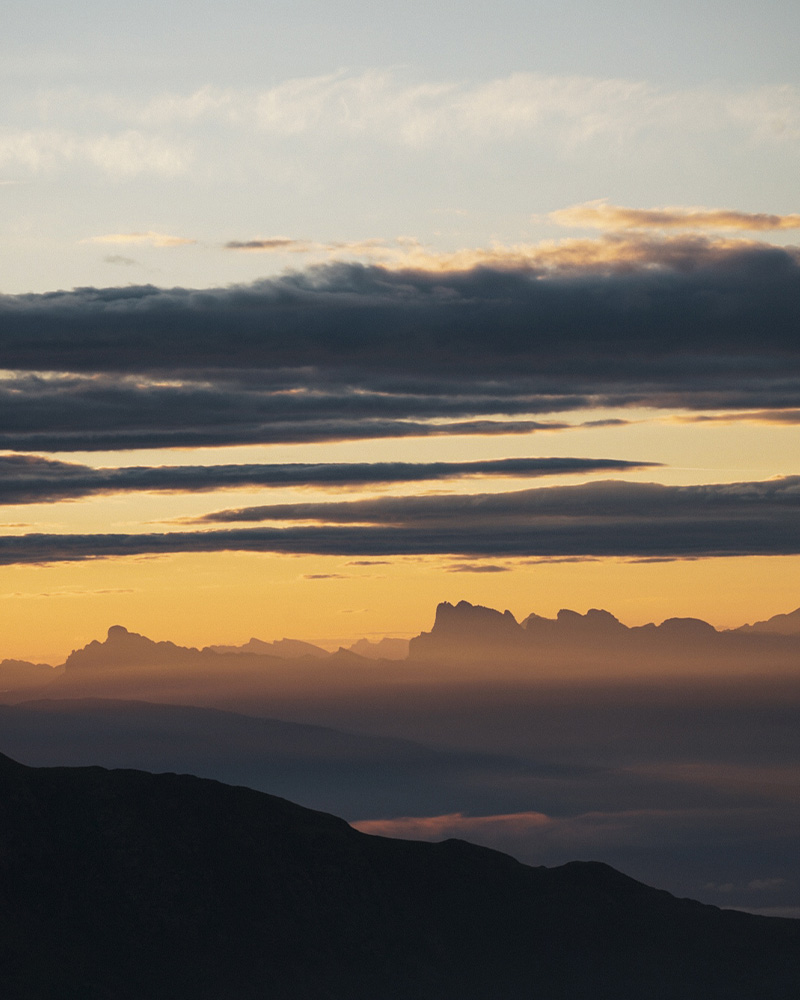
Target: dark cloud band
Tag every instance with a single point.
(615, 503)
(735, 309)
(31, 479)
(594, 519)
(350, 351)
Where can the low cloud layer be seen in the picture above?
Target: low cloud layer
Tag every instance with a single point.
(32, 479)
(609, 501)
(348, 350)
(285, 244)
(699, 312)
(601, 215)
(634, 520)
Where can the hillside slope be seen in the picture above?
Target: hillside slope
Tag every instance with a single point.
(122, 884)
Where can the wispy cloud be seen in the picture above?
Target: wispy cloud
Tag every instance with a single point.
(454, 825)
(273, 244)
(772, 416)
(571, 110)
(398, 250)
(32, 479)
(532, 833)
(116, 258)
(149, 238)
(477, 568)
(123, 154)
(601, 215)
(103, 592)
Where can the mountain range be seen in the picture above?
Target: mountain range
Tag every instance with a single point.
(595, 642)
(573, 641)
(122, 884)
(355, 774)
(674, 759)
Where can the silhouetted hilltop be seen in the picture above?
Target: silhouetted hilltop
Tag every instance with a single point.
(780, 624)
(384, 649)
(352, 774)
(571, 625)
(123, 884)
(123, 649)
(22, 675)
(131, 666)
(465, 619)
(286, 648)
(464, 636)
(470, 633)
(465, 630)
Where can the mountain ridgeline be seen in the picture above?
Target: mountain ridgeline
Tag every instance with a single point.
(572, 641)
(123, 884)
(464, 636)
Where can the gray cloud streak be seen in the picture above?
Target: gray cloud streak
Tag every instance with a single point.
(595, 519)
(31, 479)
(612, 500)
(350, 351)
(685, 315)
(68, 413)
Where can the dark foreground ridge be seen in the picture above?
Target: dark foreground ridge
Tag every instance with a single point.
(120, 885)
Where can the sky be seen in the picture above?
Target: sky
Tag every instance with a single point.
(315, 315)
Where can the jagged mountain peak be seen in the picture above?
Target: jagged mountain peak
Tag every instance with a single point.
(464, 613)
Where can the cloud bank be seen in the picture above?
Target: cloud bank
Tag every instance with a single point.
(32, 479)
(694, 307)
(350, 350)
(631, 520)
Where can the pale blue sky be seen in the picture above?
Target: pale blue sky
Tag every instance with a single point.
(458, 126)
(250, 42)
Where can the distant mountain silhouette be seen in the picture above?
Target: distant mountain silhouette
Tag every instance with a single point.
(349, 773)
(464, 636)
(470, 633)
(123, 648)
(122, 885)
(21, 675)
(384, 649)
(781, 624)
(287, 648)
(129, 665)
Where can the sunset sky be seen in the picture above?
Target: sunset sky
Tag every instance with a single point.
(315, 315)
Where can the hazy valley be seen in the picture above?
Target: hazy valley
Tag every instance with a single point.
(554, 739)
